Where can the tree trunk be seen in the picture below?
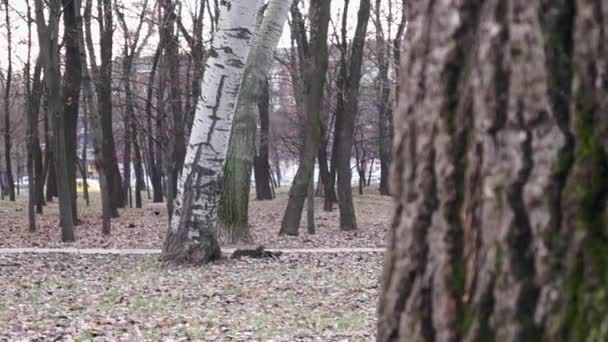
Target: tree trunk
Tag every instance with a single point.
(72, 79)
(310, 206)
(315, 63)
(95, 121)
(192, 233)
(329, 192)
(346, 133)
(385, 136)
(7, 103)
(85, 121)
(103, 86)
(155, 174)
(262, 173)
(49, 54)
(500, 164)
(234, 202)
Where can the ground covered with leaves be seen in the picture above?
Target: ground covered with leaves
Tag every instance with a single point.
(146, 228)
(299, 297)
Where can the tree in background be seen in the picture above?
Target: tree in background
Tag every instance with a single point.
(8, 79)
(314, 60)
(346, 130)
(48, 38)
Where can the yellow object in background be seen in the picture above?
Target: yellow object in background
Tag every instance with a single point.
(92, 185)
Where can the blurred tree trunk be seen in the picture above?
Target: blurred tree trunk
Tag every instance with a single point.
(48, 34)
(314, 64)
(500, 175)
(234, 203)
(191, 237)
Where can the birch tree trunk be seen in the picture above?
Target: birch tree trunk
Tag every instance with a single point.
(500, 175)
(191, 237)
(234, 203)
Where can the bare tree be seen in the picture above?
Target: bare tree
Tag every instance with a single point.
(191, 236)
(314, 62)
(8, 79)
(48, 38)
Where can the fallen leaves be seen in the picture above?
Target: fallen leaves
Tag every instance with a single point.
(301, 297)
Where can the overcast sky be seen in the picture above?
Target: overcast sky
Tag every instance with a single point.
(20, 28)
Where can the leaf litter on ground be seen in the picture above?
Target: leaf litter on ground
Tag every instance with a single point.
(299, 297)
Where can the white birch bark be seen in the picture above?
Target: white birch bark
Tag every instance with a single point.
(191, 236)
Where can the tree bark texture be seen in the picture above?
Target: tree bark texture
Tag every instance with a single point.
(500, 174)
(191, 237)
(234, 202)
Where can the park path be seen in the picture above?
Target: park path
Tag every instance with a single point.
(113, 251)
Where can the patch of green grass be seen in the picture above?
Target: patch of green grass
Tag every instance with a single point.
(350, 321)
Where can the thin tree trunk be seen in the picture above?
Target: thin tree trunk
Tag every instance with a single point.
(310, 206)
(315, 64)
(348, 219)
(155, 174)
(383, 103)
(262, 172)
(95, 121)
(49, 54)
(234, 203)
(71, 91)
(191, 236)
(7, 102)
(32, 124)
(85, 165)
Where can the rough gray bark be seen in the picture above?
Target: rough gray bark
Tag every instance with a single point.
(313, 82)
(499, 232)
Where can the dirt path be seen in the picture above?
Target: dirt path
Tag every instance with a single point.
(111, 251)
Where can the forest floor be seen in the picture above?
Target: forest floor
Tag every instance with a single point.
(146, 228)
(316, 295)
(299, 297)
